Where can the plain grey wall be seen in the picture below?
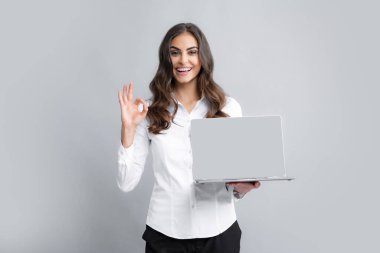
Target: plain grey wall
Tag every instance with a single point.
(316, 63)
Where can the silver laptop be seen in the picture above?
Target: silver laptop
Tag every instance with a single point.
(238, 149)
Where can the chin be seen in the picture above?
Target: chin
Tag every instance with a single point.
(183, 81)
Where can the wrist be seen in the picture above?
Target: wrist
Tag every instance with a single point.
(127, 135)
(128, 127)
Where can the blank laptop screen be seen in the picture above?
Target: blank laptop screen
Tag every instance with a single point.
(241, 147)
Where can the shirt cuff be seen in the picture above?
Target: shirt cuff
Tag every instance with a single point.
(126, 152)
(238, 195)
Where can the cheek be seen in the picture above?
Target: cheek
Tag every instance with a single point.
(172, 66)
(172, 61)
(198, 70)
(199, 66)
(198, 62)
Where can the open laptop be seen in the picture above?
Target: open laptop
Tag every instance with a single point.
(238, 149)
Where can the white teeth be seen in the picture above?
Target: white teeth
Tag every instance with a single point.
(183, 69)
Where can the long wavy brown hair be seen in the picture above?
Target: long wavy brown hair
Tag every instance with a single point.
(163, 82)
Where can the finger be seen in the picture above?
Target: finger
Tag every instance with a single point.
(121, 102)
(139, 101)
(125, 93)
(130, 92)
(145, 108)
(145, 105)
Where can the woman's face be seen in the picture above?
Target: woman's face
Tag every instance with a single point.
(185, 58)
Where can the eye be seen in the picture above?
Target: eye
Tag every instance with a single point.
(193, 52)
(174, 53)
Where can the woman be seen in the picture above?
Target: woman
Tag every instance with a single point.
(182, 216)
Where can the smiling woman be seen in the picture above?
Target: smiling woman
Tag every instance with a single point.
(185, 59)
(183, 89)
(184, 73)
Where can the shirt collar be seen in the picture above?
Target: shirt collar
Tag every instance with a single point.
(171, 106)
(178, 102)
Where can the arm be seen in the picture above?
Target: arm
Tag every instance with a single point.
(134, 145)
(131, 159)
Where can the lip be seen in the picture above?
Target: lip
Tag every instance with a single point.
(183, 73)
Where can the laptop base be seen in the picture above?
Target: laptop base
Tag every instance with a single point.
(253, 179)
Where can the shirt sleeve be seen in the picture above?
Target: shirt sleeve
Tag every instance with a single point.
(131, 160)
(232, 108)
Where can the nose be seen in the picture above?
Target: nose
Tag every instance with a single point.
(183, 58)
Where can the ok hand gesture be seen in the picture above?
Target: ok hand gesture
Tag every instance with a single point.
(130, 115)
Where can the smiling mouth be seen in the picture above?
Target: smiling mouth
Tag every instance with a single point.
(183, 70)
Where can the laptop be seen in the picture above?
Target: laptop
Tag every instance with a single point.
(238, 149)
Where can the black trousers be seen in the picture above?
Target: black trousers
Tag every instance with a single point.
(226, 242)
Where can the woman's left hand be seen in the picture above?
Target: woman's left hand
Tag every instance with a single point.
(244, 187)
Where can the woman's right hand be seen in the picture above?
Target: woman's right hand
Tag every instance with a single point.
(130, 115)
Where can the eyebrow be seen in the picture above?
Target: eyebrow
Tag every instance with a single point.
(186, 49)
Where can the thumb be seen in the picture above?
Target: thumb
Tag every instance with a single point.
(145, 106)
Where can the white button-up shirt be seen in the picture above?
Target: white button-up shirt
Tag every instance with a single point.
(178, 208)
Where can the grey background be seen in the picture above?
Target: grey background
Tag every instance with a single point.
(316, 63)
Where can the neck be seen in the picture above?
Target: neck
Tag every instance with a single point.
(187, 93)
